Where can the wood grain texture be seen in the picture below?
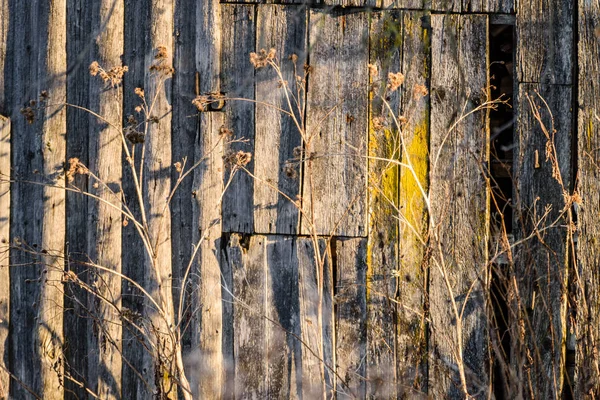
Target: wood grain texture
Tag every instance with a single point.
(351, 317)
(587, 374)
(156, 187)
(38, 215)
(4, 34)
(459, 206)
(491, 6)
(383, 238)
(541, 263)
(104, 332)
(237, 80)
(135, 385)
(315, 289)
(414, 187)
(284, 29)
(79, 57)
(4, 254)
(335, 203)
(550, 23)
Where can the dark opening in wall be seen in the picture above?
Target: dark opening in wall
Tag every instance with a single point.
(501, 53)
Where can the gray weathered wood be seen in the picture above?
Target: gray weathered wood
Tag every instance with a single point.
(414, 185)
(104, 332)
(284, 29)
(237, 81)
(335, 202)
(492, 6)
(134, 385)
(38, 215)
(351, 317)
(4, 252)
(447, 6)
(587, 374)
(544, 41)
(459, 207)
(156, 186)
(541, 263)
(208, 325)
(406, 4)
(315, 291)
(382, 251)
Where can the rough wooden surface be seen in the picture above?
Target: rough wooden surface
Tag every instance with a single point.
(588, 174)
(237, 80)
(337, 125)
(284, 29)
(136, 27)
(4, 34)
(37, 220)
(4, 253)
(414, 185)
(382, 251)
(549, 22)
(104, 330)
(541, 264)
(315, 290)
(350, 318)
(459, 206)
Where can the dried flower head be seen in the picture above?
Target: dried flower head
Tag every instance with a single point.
(134, 136)
(161, 52)
(201, 102)
(373, 71)
(43, 95)
(395, 80)
(113, 76)
(138, 109)
(237, 159)
(225, 132)
(419, 91)
(75, 168)
(290, 170)
(308, 69)
(28, 113)
(140, 92)
(262, 58)
(293, 57)
(178, 166)
(161, 63)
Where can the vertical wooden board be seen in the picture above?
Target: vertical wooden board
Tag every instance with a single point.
(79, 35)
(4, 28)
(353, 3)
(183, 132)
(382, 250)
(588, 174)
(276, 166)
(207, 189)
(38, 214)
(446, 6)
(4, 252)
(335, 202)
(541, 263)
(459, 207)
(136, 380)
(283, 350)
(499, 6)
(414, 189)
(237, 81)
(316, 320)
(544, 41)
(156, 187)
(247, 256)
(351, 317)
(406, 4)
(104, 331)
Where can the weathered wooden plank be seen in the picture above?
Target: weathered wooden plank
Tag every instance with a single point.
(4, 29)
(38, 214)
(184, 130)
(383, 238)
(335, 202)
(237, 81)
(459, 207)
(79, 35)
(352, 3)
(156, 187)
(4, 253)
(315, 290)
(491, 6)
(541, 263)
(284, 29)
(211, 380)
(448, 6)
(544, 40)
(351, 317)
(135, 385)
(587, 373)
(414, 185)
(207, 189)
(283, 350)
(104, 332)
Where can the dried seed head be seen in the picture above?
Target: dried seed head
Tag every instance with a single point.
(294, 58)
(395, 80)
(262, 58)
(237, 159)
(28, 113)
(419, 91)
(75, 168)
(139, 91)
(225, 132)
(290, 170)
(178, 166)
(201, 102)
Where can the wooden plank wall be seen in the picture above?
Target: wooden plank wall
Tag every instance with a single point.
(349, 257)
